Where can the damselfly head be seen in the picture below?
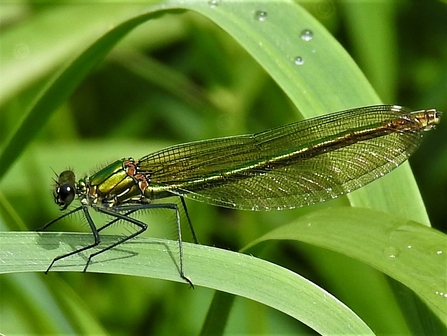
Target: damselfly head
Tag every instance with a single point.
(65, 189)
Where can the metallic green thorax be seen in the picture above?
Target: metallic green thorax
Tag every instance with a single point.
(290, 166)
(117, 183)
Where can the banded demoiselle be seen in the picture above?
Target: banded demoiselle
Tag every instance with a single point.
(299, 164)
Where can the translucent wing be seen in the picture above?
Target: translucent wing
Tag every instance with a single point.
(290, 166)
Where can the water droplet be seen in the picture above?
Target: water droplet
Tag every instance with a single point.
(307, 35)
(261, 15)
(391, 252)
(325, 8)
(21, 51)
(214, 3)
(298, 60)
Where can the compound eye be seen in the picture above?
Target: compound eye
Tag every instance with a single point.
(64, 195)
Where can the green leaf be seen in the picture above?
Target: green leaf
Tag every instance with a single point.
(222, 270)
(409, 252)
(406, 251)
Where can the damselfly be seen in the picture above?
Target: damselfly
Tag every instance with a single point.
(299, 164)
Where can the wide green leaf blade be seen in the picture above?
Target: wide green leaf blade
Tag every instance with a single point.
(406, 251)
(222, 270)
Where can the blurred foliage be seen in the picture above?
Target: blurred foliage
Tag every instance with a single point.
(177, 79)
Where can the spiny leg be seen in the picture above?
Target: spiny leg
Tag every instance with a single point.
(92, 227)
(180, 244)
(128, 209)
(59, 218)
(191, 228)
(118, 216)
(113, 221)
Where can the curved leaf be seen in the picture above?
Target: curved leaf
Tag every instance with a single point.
(222, 270)
(407, 251)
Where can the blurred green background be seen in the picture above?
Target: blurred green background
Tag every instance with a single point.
(177, 79)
